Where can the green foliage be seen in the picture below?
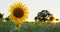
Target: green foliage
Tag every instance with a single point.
(40, 27)
(9, 26)
(43, 15)
(6, 26)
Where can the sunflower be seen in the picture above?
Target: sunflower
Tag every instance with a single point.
(18, 12)
(51, 18)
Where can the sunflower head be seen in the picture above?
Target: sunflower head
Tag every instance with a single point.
(51, 18)
(19, 12)
(57, 19)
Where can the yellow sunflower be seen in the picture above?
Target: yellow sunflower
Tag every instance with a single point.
(18, 12)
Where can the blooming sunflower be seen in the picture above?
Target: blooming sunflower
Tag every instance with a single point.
(18, 12)
(51, 18)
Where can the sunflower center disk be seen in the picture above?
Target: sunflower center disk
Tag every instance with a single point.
(18, 13)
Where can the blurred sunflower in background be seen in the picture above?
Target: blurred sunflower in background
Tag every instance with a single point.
(51, 18)
(18, 12)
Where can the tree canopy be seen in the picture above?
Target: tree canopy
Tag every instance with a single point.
(43, 15)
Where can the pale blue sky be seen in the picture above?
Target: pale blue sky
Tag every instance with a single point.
(34, 6)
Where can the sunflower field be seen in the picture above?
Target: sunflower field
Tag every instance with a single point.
(9, 26)
(16, 21)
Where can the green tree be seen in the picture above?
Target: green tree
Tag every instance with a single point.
(43, 15)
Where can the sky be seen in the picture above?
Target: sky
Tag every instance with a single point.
(34, 6)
